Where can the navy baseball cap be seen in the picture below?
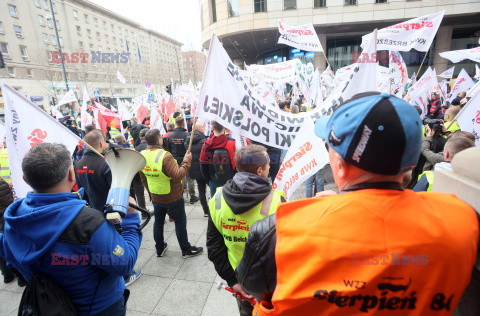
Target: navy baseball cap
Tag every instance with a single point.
(375, 132)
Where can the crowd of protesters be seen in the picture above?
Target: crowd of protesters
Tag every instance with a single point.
(295, 258)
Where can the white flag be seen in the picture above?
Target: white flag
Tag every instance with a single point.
(156, 121)
(447, 74)
(303, 37)
(416, 33)
(477, 72)
(462, 84)
(85, 117)
(456, 56)
(56, 113)
(304, 158)
(473, 90)
(120, 77)
(67, 98)
(279, 72)
(469, 118)
(27, 126)
(397, 71)
(422, 88)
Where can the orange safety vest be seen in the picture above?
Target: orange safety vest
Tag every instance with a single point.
(373, 251)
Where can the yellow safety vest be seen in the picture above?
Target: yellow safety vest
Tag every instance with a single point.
(114, 132)
(5, 171)
(235, 227)
(430, 177)
(158, 182)
(453, 127)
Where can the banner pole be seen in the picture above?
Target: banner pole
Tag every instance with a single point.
(191, 136)
(326, 59)
(91, 148)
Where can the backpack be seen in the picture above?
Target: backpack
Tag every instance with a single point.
(221, 165)
(43, 297)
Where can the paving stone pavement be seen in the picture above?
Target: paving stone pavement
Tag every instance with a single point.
(169, 285)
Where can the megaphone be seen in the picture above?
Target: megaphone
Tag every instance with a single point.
(124, 165)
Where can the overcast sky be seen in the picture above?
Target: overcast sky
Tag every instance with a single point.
(179, 19)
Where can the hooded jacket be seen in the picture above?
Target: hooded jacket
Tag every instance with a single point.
(197, 143)
(55, 234)
(241, 194)
(175, 143)
(221, 141)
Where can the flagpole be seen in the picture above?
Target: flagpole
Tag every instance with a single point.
(139, 62)
(129, 67)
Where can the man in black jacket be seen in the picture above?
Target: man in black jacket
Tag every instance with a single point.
(195, 172)
(135, 129)
(137, 181)
(92, 172)
(175, 144)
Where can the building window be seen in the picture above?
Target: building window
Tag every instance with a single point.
(45, 4)
(113, 27)
(79, 30)
(13, 11)
(119, 30)
(289, 4)
(104, 24)
(23, 51)
(85, 17)
(45, 38)
(95, 21)
(61, 42)
(49, 22)
(75, 14)
(380, 1)
(41, 20)
(260, 5)
(98, 36)
(29, 73)
(4, 50)
(11, 71)
(350, 2)
(58, 25)
(232, 6)
(1, 28)
(18, 31)
(89, 34)
(319, 3)
(106, 38)
(80, 43)
(37, 3)
(52, 40)
(91, 46)
(213, 12)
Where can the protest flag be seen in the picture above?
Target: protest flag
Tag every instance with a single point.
(67, 98)
(469, 117)
(448, 74)
(462, 84)
(27, 126)
(302, 37)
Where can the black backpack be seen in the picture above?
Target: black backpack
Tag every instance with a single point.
(42, 297)
(221, 165)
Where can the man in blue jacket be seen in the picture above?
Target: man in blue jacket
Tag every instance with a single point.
(51, 231)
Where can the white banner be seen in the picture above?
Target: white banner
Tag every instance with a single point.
(120, 77)
(469, 118)
(462, 84)
(447, 74)
(156, 121)
(67, 98)
(416, 33)
(85, 117)
(305, 157)
(27, 126)
(279, 72)
(456, 56)
(302, 37)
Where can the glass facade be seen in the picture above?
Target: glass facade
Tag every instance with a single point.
(232, 8)
(260, 5)
(284, 54)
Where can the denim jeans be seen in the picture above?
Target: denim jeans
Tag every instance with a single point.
(119, 308)
(214, 185)
(319, 179)
(176, 210)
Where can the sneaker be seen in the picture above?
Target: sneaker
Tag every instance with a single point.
(194, 251)
(161, 254)
(194, 199)
(205, 214)
(22, 282)
(133, 277)
(8, 278)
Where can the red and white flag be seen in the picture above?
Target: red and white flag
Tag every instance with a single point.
(469, 117)
(456, 56)
(27, 126)
(462, 84)
(448, 74)
(120, 77)
(303, 37)
(68, 98)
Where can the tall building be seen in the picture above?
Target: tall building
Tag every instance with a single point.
(193, 66)
(248, 28)
(95, 43)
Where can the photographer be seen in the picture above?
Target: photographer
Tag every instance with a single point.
(433, 143)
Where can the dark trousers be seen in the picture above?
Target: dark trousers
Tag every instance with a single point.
(6, 271)
(202, 194)
(214, 185)
(139, 191)
(244, 307)
(119, 308)
(176, 211)
(274, 167)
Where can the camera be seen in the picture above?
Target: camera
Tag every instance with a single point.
(434, 124)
